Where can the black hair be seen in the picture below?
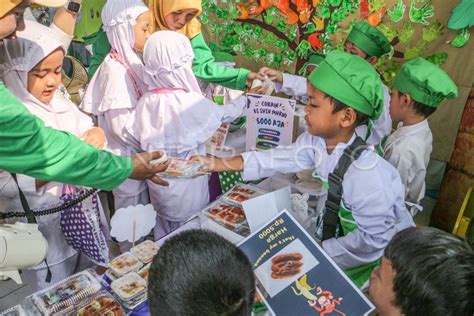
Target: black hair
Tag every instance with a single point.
(423, 109)
(434, 272)
(198, 272)
(361, 119)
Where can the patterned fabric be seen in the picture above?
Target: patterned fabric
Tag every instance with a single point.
(81, 227)
(229, 179)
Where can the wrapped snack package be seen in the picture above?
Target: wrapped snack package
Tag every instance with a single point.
(241, 192)
(124, 263)
(185, 169)
(130, 289)
(101, 304)
(145, 251)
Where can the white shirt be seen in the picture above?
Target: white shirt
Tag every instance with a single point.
(64, 116)
(408, 149)
(296, 86)
(372, 188)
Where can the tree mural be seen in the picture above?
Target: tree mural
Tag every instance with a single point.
(283, 33)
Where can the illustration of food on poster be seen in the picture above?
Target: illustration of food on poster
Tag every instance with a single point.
(295, 276)
(269, 121)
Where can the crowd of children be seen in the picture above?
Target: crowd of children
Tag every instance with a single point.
(146, 96)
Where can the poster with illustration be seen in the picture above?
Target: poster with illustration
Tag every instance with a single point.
(296, 277)
(269, 121)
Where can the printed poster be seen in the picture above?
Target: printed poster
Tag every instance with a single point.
(296, 277)
(269, 121)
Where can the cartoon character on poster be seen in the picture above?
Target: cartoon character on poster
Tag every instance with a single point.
(322, 301)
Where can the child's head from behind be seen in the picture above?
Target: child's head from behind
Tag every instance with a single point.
(424, 271)
(127, 24)
(419, 89)
(168, 59)
(200, 273)
(344, 91)
(45, 77)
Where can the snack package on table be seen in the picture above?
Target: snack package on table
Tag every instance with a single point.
(102, 303)
(130, 289)
(184, 169)
(229, 216)
(63, 297)
(123, 264)
(145, 251)
(240, 193)
(144, 272)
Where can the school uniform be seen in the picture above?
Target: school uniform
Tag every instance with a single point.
(174, 116)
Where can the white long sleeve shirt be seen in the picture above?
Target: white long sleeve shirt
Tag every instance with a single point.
(373, 192)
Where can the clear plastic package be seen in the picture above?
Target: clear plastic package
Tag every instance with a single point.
(145, 251)
(14, 311)
(228, 215)
(240, 193)
(124, 263)
(131, 290)
(102, 304)
(144, 272)
(185, 169)
(61, 298)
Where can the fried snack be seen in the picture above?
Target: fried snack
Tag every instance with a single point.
(102, 305)
(227, 213)
(286, 265)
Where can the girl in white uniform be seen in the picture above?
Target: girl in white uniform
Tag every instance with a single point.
(32, 71)
(174, 116)
(118, 85)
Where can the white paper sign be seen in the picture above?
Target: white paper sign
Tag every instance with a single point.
(260, 209)
(122, 225)
(269, 121)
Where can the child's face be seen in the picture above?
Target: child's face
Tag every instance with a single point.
(381, 288)
(320, 119)
(354, 50)
(397, 106)
(141, 31)
(45, 78)
(178, 19)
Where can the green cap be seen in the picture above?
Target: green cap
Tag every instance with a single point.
(220, 53)
(425, 82)
(369, 39)
(350, 80)
(315, 58)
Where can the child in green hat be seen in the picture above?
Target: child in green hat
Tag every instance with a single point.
(418, 90)
(365, 206)
(364, 41)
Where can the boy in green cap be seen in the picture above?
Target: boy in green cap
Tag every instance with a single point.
(365, 205)
(417, 92)
(364, 41)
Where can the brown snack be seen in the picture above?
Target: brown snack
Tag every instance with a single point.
(287, 257)
(286, 274)
(102, 306)
(289, 265)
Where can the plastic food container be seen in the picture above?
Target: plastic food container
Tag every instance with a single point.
(124, 263)
(145, 251)
(101, 304)
(240, 193)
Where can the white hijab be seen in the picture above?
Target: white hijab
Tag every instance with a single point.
(175, 121)
(18, 57)
(110, 92)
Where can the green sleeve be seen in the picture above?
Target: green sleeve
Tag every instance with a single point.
(206, 69)
(28, 147)
(100, 49)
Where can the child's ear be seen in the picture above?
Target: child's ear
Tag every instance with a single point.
(348, 117)
(406, 100)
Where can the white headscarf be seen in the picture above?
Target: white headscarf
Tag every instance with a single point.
(168, 58)
(174, 121)
(18, 57)
(118, 18)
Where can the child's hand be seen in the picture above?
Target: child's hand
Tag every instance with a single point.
(143, 169)
(273, 74)
(95, 137)
(251, 77)
(213, 164)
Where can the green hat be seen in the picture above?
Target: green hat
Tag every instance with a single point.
(425, 82)
(350, 80)
(369, 39)
(220, 53)
(315, 58)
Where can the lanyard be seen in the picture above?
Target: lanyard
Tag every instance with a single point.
(116, 56)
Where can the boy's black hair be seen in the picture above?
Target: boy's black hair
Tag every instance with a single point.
(361, 119)
(198, 272)
(434, 272)
(423, 109)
